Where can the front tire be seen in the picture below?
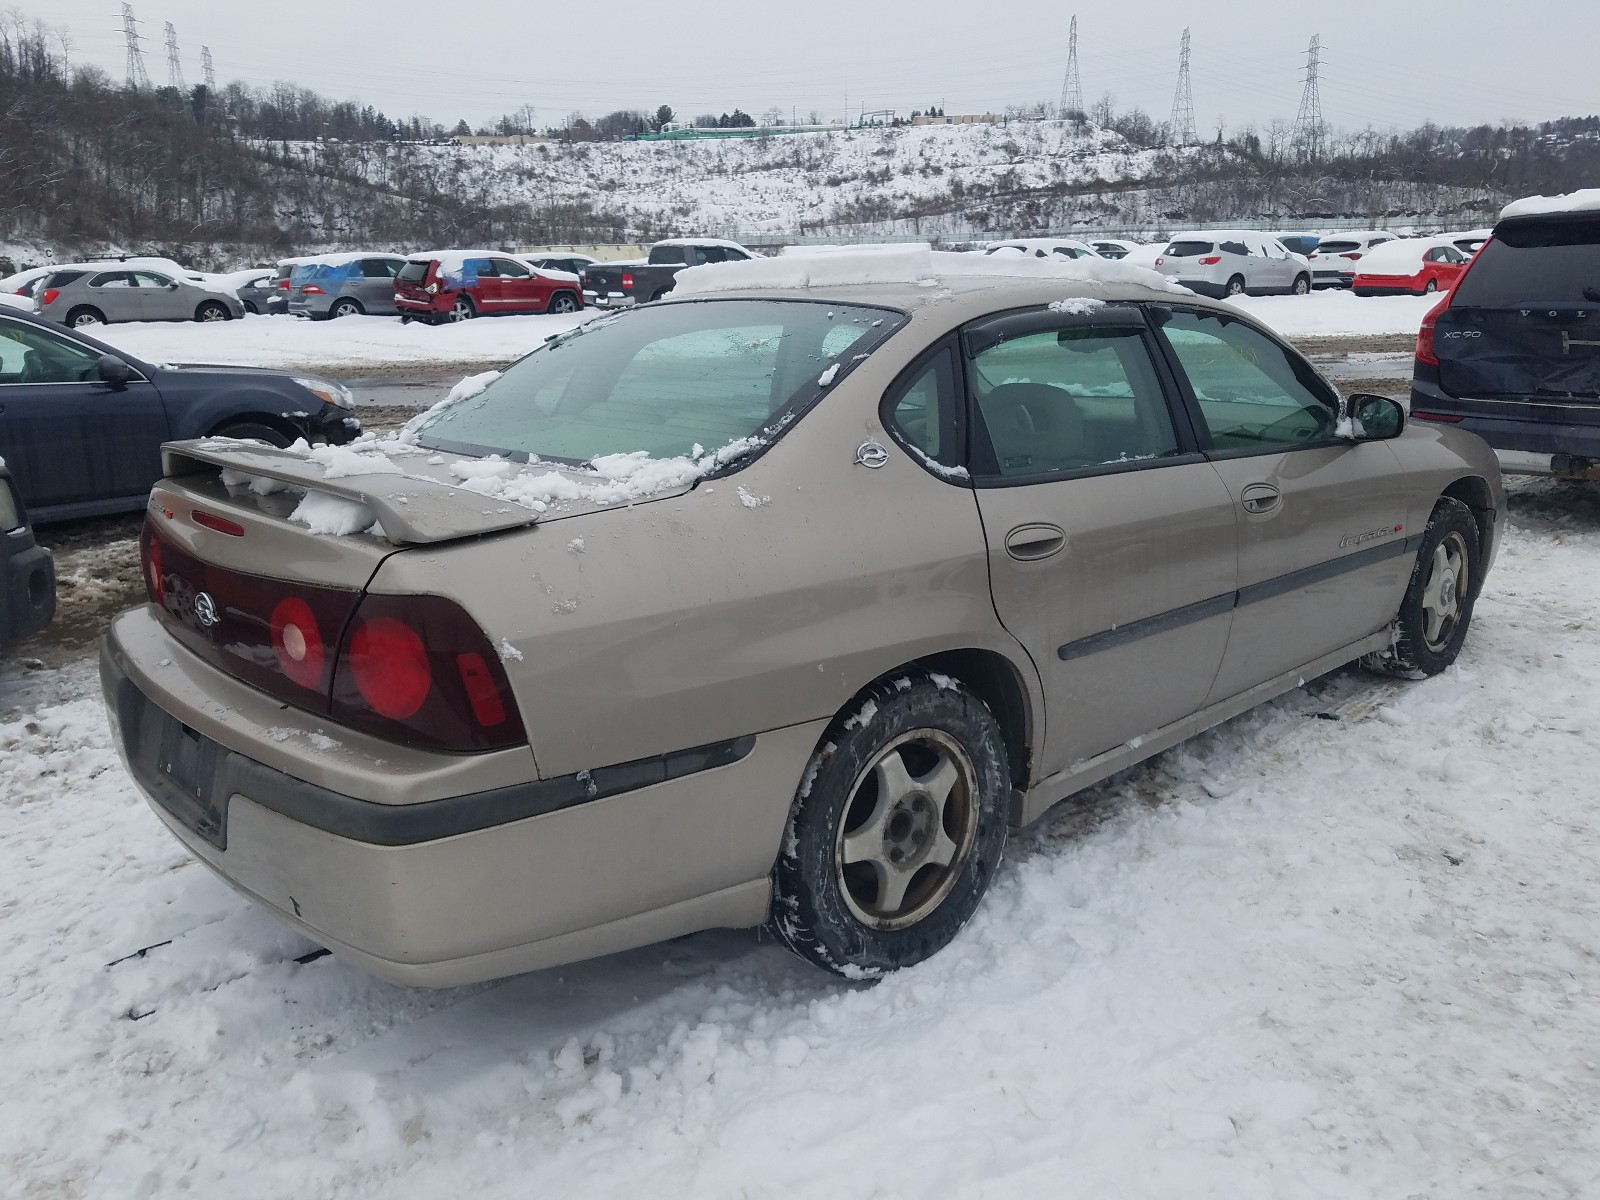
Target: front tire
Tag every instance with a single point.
(212, 310)
(256, 431)
(1302, 285)
(1437, 609)
(896, 830)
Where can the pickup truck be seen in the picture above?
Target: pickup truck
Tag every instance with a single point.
(620, 284)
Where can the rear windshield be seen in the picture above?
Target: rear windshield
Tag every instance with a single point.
(1189, 249)
(1338, 247)
(1537, 262)
(671, 380)
(285, 270)
(414, 272)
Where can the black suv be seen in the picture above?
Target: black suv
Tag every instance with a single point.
(1512, 353)
(27, 572)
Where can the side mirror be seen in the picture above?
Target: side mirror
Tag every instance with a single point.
(1373, 418)
(114, 371)
(172, 286)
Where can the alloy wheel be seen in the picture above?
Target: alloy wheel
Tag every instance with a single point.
(1444, 593)
(461, 310)
(907, 830)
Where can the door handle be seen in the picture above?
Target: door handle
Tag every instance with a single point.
(1259, 498)
(1030, 543)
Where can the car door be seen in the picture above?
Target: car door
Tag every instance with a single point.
(520, 289)
(1110, 537)
(118, 296)
(375, 285)
(481, 280)
(1278, 270)
(68, 437)
(1324, 552)
(161, 297)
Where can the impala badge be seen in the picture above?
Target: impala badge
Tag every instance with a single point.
(871, 454)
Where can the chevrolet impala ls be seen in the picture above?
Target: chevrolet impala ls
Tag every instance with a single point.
(779, 602)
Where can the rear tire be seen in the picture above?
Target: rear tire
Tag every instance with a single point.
(78, 318)
(345, 308)
(461, 310)
(1437, 609)
(1236, 286)
(896, 830)
(562, 302)
(1302, 285)
(212, 310)
(255, 430)
(659, 294)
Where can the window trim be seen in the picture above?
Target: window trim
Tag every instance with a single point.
(960, 439)
(1189, 450)
(1191, 403)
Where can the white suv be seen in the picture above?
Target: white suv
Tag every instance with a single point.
(1333, 264)
(1233, 262)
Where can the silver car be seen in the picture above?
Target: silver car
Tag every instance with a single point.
(344, 285)
(96, 294)
(1234, 262)
(1334, 262)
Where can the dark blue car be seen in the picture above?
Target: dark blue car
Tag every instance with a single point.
(81, 424)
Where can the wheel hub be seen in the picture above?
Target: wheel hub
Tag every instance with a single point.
(908, 832)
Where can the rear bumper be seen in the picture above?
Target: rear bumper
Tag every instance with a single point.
(1385, 289)
(607, 300)
(30, 587)
(1553, 446)
(493, 894)
(310, 306)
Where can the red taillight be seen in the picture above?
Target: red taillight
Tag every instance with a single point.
(627, 281)
(1425, 352)
(1351, 254)
(390, 667)
(1445, 418)
(1210, 260)
(297, 642)
(220, 524)
(48, 296)
(482, 693)
(282, 283)
(312, 289)
(1159, 261)
(418, 669)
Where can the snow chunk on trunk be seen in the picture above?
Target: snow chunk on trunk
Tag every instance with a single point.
(332, 515)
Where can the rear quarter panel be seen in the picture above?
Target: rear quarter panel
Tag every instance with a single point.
(750, 603)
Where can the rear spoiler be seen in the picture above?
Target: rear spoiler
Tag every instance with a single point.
(414, 508)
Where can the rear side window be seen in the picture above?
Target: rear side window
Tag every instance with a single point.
(1252, 393)
(116, 279)
(61, 278)
(378, 268)
(413, 272)
(1069, 399)
(1235, 248)
(923, 413)
(1189, 249)
(1535, 263)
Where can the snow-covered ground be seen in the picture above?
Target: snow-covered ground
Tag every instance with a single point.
(1297, 957)
(354, 342)
(282, 341)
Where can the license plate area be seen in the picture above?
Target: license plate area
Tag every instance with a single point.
(180, 771)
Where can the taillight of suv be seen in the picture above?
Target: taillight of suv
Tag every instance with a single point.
(1425, 351)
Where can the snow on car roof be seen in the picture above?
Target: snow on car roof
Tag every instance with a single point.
(454, 260)
(917, 265)
(342, 259)
(1585, 200)
(1040, 243)
(1406, 253)
(698, 241)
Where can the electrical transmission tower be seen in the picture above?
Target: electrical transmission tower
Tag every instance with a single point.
(1072, 86)
(1308, 123)
(1181, 129)
(208, 68)
(174, 63)
(138, 77)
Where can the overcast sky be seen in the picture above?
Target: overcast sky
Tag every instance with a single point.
(1386, 62)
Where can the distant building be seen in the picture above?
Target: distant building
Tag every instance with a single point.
(960, 119)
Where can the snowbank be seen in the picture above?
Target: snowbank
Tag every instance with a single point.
(1296, 959)
(260, 341)
(1339, 314)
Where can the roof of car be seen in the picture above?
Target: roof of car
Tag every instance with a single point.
(1399, 253)
(339, 260)
(702, 241)
(1031, 242)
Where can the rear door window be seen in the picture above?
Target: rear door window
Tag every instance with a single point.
(666, 255)
(112, 279)
(1543, 262)
(1065, 400)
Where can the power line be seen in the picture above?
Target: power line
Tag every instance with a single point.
(138, 77)
(174, 63)
(209, 69)
(1307, 137)
(1181, 130)
(1072, 85)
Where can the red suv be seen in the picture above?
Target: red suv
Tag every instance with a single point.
(457, 285)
